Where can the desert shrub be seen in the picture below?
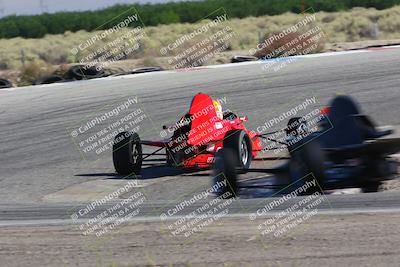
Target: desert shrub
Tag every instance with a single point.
(359, 28)
(55, 56)
(167, 13)
(328, 18)
(389, 21)
(33, 71)
(353, 25)
(288, 44)
(246, 40)
(3, 65)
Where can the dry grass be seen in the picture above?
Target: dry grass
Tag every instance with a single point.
(355, 25)
(32, 71)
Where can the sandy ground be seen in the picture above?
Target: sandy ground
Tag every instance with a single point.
(392, 185)
(347, 240)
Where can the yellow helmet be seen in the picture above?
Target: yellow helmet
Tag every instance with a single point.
(218, 109)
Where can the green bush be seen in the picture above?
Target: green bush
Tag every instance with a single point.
(167, 13)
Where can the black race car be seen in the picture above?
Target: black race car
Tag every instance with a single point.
(346, 151)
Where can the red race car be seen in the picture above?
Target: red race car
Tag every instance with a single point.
(194, 140)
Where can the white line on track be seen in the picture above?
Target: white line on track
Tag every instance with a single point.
(54, 222)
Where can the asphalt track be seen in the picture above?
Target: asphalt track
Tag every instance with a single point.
(60, 214)
(39, 158)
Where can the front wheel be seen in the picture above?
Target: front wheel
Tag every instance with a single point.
(371, 187)
(307, 166)
(127, 153)
(224, 174)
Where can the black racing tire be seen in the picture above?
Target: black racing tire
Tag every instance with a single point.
(308, 163)
(127, 153)
(238, 59)
(82, 72)
(239, 143)
(5, 84)
(50, 79)
(145, 70)
(224, 172)
(371, 187)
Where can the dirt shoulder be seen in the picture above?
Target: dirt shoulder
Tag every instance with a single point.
(348, 240)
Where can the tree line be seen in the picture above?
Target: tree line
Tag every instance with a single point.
(181, 12)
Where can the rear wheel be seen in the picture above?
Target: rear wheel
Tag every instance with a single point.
(239, 144)
(127, 153)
